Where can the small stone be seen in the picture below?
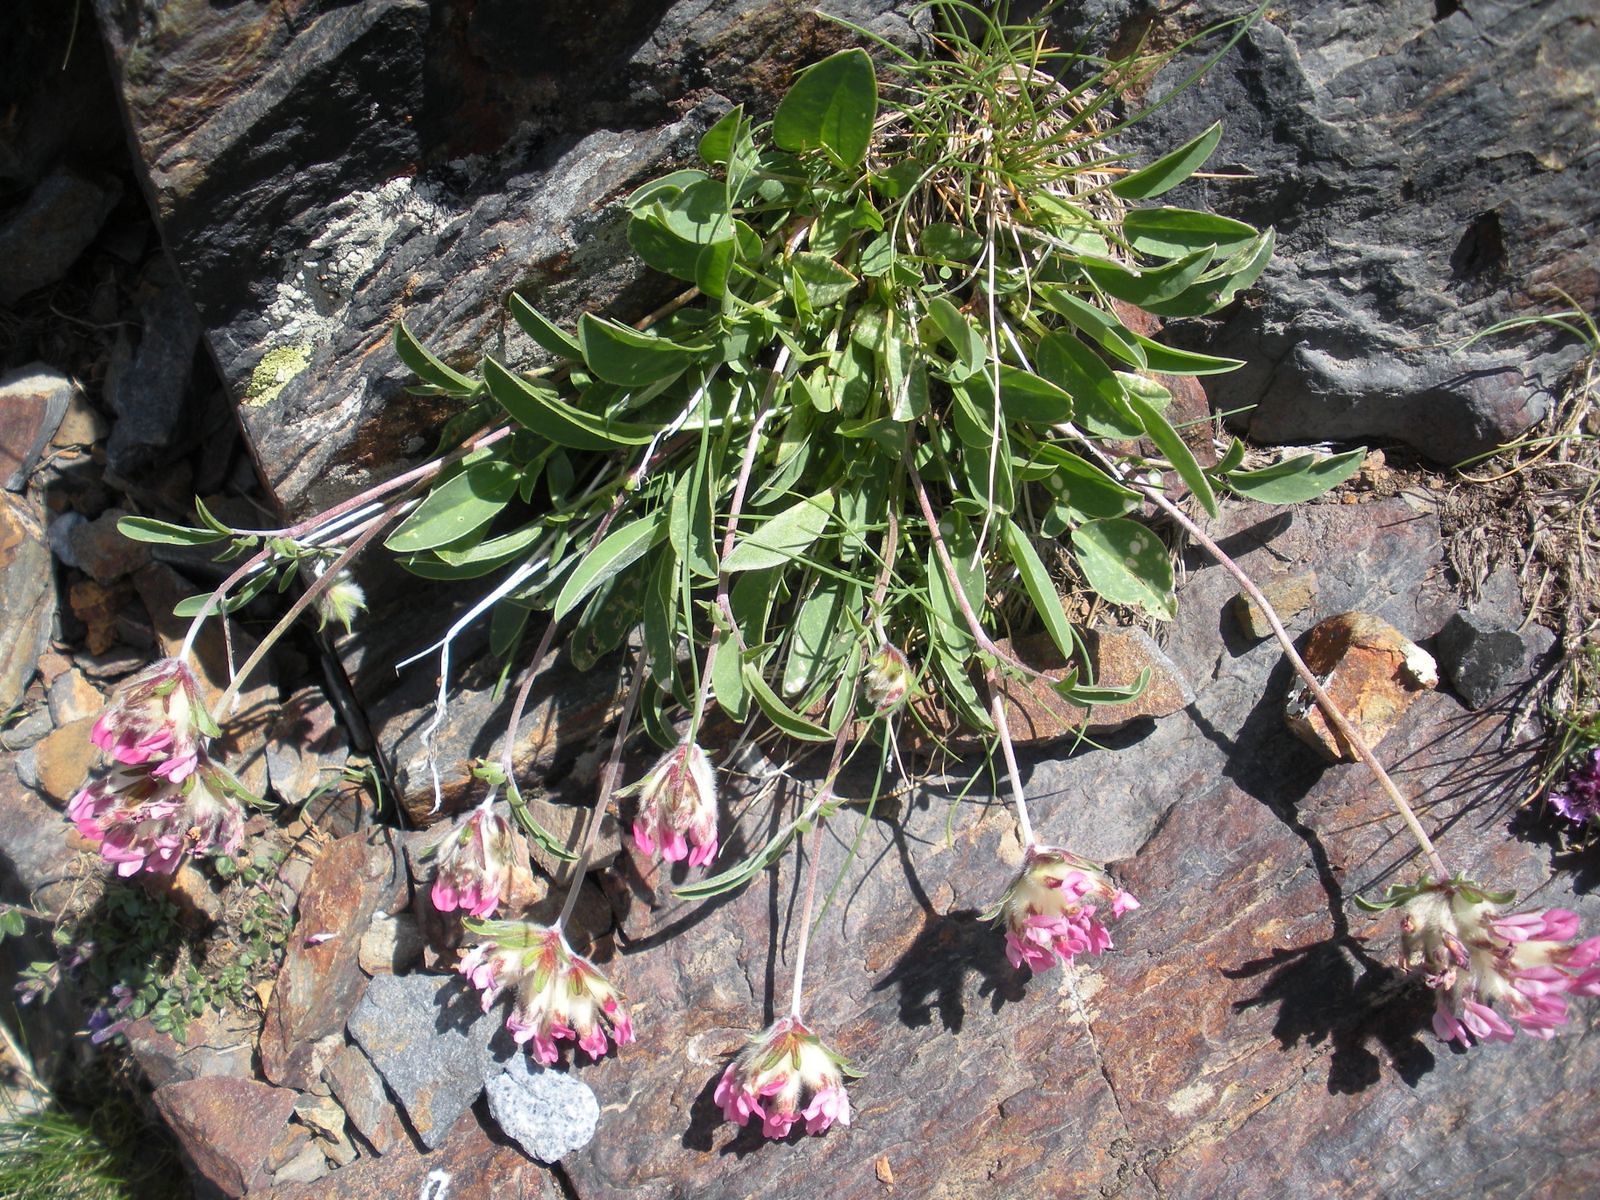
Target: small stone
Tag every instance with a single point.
(40, 242)
(1481, 658)
(191, 893)
(1288, 595)
(1369, 669)
(73, 697)
(429, 1038)
(307, 1166)
(33, 399)
(100, 550)
(112, 664)
(288, 1145)
(82, 425)
(149, 397)
(96, 606)
(65, 758)
(306, 746)
(34, 725)
(27, 595)
(392, 945)
(548, 1113)
(324, 1116)
(59, 535)
(359, 1090)
(219, 1124)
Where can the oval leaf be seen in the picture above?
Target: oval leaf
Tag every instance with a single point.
(161, 533)
(832, 104)
(546, 333)
(1171, 169)
(783, 538)
(1169, 443)
(627, 357)
(457, 507)
(544, 412)
(1127, 564)
(1301, 478)
(620, 549)
(428, 368)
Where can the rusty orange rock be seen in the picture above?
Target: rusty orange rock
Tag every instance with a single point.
(1369, 669)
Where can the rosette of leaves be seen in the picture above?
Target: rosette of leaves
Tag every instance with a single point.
(903, 362)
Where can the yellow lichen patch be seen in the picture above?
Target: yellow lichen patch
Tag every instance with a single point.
(276, 368)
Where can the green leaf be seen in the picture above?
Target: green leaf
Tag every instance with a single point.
(832, 104)
(815, 645)
(541, 410)
(951, 242)
(496, 551)
(1127, 564)
(827, 283)
(699, 214)
(949, 624)
(428, 368)
(689, 525)
(620, 548)
(1151, 285)
(1037, 583)
(1168, 361)
(1293, 480)
(661, 619)
(1030, 398)
(1171, 169)
(1218, 286)
(727, 678)
(1170, 444)
(1102, 404)
(1174, 232)
(615, 608)
(162, 533)
(464, 503)
(779, 713)
(1087, 696)
(627, 357)
(1100, 326)
(547, 335)
(1084, 487)
(783, 538)
(971, 352)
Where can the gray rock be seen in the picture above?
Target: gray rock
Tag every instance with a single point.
(44, 237)
(319, 178)
(1411, 213)
(548, 1113)
(429, 1039)
(25, 733)
(150, 398)
(359, 1089)
(1481, 657)
(27, 594)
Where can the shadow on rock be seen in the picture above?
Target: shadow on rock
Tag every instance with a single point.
(932, 973)
(1321, 999)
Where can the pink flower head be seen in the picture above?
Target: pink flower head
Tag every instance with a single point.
(678, 808)
(157, 717)
(475, 865)
(1050, 910)
(1491, 970)
(888, 679)
(783, 1076)
(145, 821)
(559, 995)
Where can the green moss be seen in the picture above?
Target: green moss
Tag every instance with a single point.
(276, 368)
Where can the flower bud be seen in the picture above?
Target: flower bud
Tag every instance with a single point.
(678, 808)
(475, 865)
(341, 600)
(888, 679)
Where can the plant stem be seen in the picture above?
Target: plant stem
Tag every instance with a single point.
(1331, 711)
(321, 584)
(416, 475)
(608, 784)
(821, 802)
(997, 710)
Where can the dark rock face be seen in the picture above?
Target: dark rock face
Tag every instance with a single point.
(323, 170)
(1480, 657)
(1247, 1035)
(1429, 169)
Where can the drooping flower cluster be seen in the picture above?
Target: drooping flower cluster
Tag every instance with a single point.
(163, 799)
(1578, 797)
(558, 994)
(1050, 909)
(1525, 963)
(476, 863)
(678, 807)
(888, 679)
(783, 1068)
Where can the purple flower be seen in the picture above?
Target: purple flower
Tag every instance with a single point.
(475, 865)
(157, 719)
(145, 821)
(678, 808)
(1578, 799)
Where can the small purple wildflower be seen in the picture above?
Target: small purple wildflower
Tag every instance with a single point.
(1578, 798)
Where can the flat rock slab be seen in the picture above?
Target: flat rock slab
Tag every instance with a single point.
(430, 1040)
(320, 981)
(468, 1165)
(1245, 1037)
(548, 1113)
(226, 1127)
